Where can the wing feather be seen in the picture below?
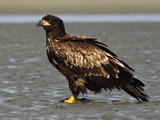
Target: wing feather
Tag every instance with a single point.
(92, 59)
(90, 56)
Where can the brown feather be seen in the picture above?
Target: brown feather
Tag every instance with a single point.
(88, 63)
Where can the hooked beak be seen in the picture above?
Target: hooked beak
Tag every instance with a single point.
(43, 23)
(39, 23)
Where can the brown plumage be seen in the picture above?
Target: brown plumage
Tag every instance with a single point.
(87, 63)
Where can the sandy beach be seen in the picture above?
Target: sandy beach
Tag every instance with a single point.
(79, 7)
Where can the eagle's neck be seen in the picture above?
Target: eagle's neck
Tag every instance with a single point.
(56, 32)
(51, 36)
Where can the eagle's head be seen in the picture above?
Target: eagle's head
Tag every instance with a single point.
(52, 24)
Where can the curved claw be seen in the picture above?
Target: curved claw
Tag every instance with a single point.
(70, 100)
(73, 99)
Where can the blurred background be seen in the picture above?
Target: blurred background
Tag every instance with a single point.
(78, 7)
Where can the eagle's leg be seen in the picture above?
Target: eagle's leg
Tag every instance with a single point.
(76, 86)
(72, 99)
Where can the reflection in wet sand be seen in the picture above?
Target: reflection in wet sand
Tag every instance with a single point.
(30, 88)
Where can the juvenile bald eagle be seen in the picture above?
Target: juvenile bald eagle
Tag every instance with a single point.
(87, 63)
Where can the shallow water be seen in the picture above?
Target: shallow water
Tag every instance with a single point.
(76, 18)
(30, 88)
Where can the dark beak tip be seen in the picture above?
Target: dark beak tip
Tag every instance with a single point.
(39, 24)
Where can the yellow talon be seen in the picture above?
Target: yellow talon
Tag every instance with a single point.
(72, 99)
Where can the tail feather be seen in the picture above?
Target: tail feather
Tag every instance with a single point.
(136, 90)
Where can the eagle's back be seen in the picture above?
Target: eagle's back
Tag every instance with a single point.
(85, 57)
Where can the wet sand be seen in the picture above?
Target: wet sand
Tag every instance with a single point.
(31, 88)
(78, 7)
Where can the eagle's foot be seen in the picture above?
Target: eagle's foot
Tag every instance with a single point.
(71, 100)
